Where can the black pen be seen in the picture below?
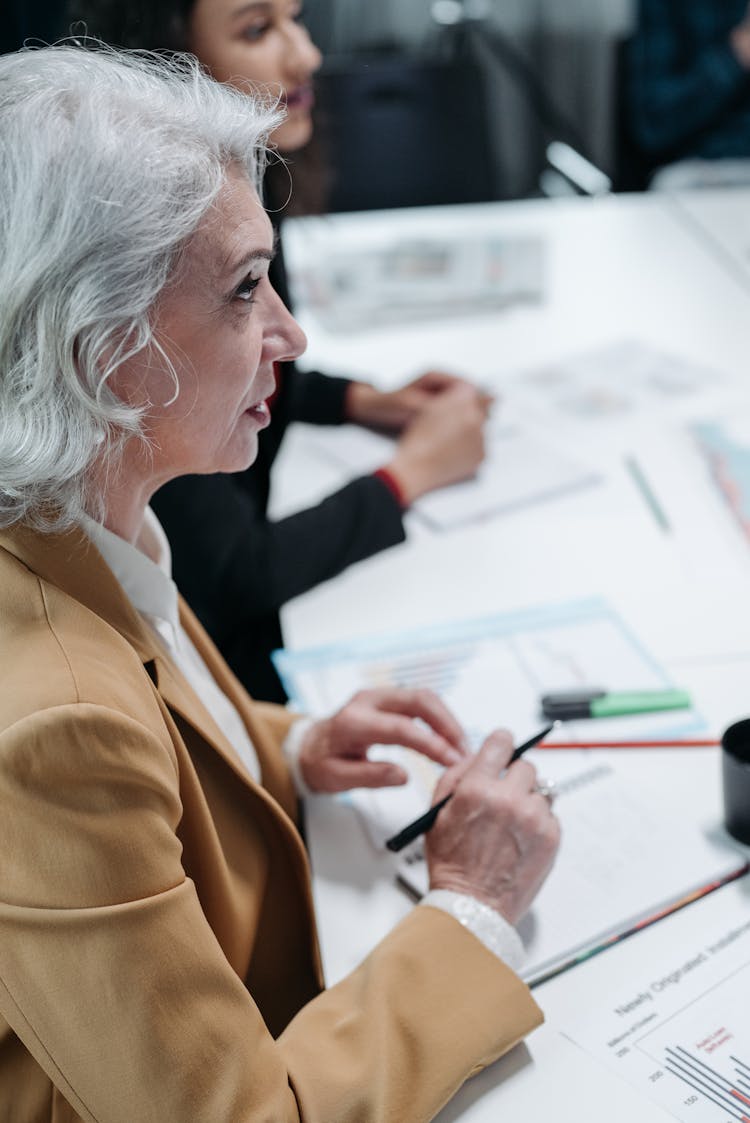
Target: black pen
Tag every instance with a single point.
(424, 822)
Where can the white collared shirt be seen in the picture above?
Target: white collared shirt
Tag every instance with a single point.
(145, 573)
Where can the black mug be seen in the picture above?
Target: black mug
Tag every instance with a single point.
(735, 769)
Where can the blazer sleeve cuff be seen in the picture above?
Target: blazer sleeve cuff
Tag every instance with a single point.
(492, 929)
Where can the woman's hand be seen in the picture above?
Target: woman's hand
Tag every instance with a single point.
(333, 755)
(496, 839)
(443, 445)
(391, 411)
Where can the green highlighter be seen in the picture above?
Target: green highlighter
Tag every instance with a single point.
(565, 705)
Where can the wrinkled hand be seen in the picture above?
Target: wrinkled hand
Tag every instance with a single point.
(443, 445)
(391, 411)
(333, 755)
(496, 839)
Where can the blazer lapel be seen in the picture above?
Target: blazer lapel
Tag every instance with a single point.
(276, 778)
(71, 562)
(181, 699)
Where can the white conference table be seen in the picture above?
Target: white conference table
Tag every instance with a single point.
(721, 219)
(629, 267)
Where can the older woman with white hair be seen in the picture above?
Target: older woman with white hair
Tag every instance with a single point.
(158, 957)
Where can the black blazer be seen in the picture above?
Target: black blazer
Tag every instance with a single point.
(235, 567)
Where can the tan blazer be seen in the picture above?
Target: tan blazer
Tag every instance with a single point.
(158, 956)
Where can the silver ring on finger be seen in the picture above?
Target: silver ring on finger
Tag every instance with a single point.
(546, 789)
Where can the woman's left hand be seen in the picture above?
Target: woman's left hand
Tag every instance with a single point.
(393, 410)
(333, 755)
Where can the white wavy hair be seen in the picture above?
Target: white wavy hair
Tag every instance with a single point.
(108, 162)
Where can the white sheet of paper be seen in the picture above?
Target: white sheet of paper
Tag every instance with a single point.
(610, 383)
(519, 469)
(668, 1011)
(627, 852)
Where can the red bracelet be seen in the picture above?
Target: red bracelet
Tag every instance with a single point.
(393, 486)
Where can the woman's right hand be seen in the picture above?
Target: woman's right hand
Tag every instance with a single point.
(444, 443)
(496, 839)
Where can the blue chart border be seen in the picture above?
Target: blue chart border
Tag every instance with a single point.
(291, 663)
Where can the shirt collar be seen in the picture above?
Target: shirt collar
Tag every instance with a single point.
(143, 570)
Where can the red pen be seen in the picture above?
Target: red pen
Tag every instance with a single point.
(691, 743)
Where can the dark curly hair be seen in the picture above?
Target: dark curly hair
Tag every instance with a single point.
(150, 24)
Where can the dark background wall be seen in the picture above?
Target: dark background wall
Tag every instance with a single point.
(571, 46)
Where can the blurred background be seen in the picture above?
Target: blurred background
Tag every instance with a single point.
(468, 96)
(536, 60)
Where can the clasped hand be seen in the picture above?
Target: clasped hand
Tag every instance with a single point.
(393, 410)
(440, 420)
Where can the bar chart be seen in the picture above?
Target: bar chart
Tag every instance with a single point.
(679, 1028)
(729, 1095)
(704, 1052)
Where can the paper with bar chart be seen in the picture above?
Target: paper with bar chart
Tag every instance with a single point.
(670, 1012)
(495, 669)
(492, 672)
